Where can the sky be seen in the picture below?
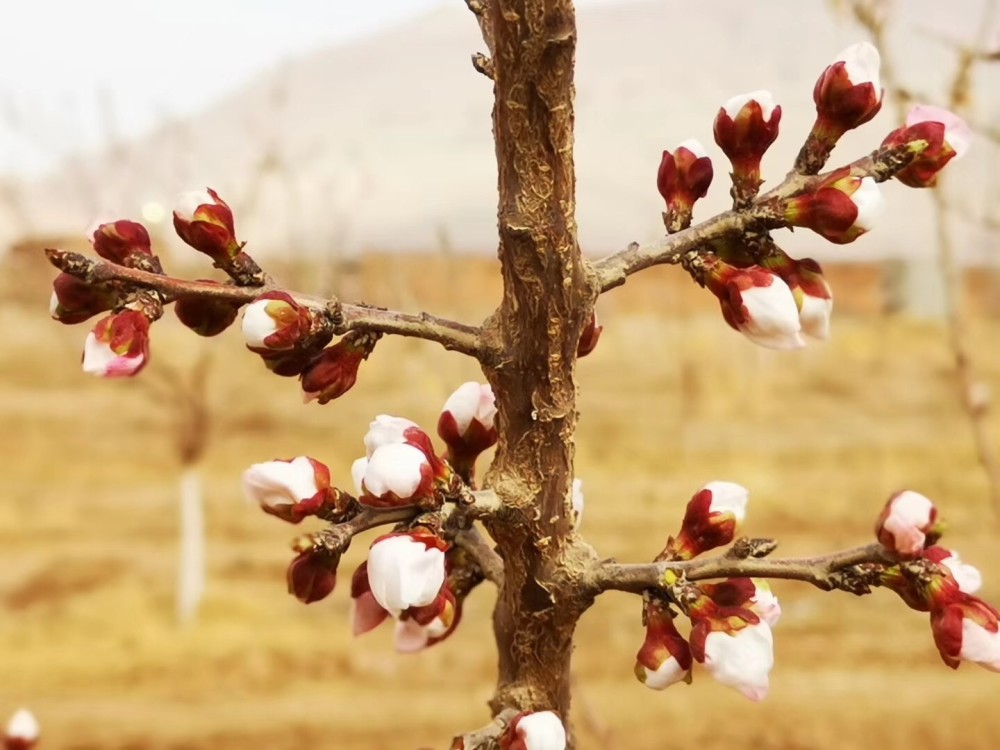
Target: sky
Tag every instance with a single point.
(73, 72)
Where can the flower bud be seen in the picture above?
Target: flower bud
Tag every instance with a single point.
(907, 524)
(967, 630)
(665, 657)
(841, 209)
(710, 520)
(758, 304)
(590, 336)
(538, 730)
(275, 322)
(848, 93)
(366, 613)
(813, 295)
(312, 575)
(205, 222)
(22, 731)
(334, 371)
(734, 644)
(750, 593)
(397, 475)
(118, 346)
(386, 430)
(290, 489)
(745, 128)
(121, 241)
(206, 316)
(422, 627)
(683, 177)
(967, 577)
(74, 301)
(946, 134)
(406, 570)
(466, 424)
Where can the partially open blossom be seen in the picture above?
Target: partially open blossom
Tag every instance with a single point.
(120, 241)
(735, 645)
(684, 176)
(576, 499)
(467, 422)
(751, 593)
(22, 731)
(396, 475)
(967, 629)
(813, 295)
(422, 627)
(745, 128)
(290, 489)
(665, 657)
(275, 322)
(947, 136)
(205, 222)
(907, 524)
(841, 209)
(118, 346)
(334, 371)
(710, 520)
(74, 301)
(968, 577)
(206, 316)
(758, 304)
(538, 730)
(849, 92)
(406, 570)
(312, 575)
(386, 430)
(590, 336)
(366, 613)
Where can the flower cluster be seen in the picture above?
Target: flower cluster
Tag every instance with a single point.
(764, 294)
(413, 575)
(934, 579)
(731, 620)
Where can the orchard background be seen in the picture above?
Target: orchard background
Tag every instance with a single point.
(669, 399)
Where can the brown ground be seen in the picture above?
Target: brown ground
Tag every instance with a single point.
(88, 535)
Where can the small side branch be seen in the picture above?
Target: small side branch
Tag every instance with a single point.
(483, 63)
(764, 213)
(345, 317)
(820, 571)
(483, 553)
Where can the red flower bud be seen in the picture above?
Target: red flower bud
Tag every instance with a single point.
(205, 222)
(334, 371)
(710, 520)
(74, 301)
(120, 241)
(590, 336)
(848, 93)
(206, 316)
(665, 657)
(758, 304)
(967, 630)
(947, 137)
(841, 209)
(118, 346)
(684, 177)
(312, 576)
(745, 128)
(809, 287)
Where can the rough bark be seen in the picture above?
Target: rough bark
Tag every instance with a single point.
(532, 340)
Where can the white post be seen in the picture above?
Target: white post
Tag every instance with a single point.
(191, 564)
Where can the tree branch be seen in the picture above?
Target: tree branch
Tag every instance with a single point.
(819, 571)
(481, 62)
(491, 563)
(345, 317)
(763, 213)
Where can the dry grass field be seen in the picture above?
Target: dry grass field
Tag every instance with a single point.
(670, 399)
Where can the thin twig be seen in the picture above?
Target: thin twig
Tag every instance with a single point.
(636, 578)
(346, 317)
(487, 737)
(491, 563)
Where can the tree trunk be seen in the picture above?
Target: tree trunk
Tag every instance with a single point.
(533, 337)
(191, 562)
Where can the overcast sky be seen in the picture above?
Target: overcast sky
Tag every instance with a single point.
(146, 59)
